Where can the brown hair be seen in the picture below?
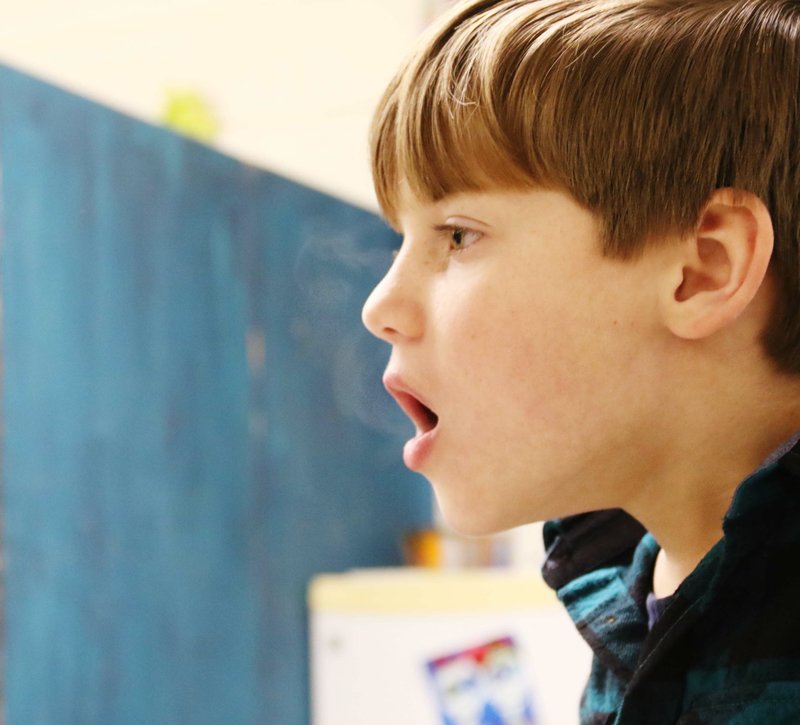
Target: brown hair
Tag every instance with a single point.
(638, 108)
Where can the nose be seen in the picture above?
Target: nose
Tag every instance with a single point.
(394, 311)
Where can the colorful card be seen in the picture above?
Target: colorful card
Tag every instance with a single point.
(483, 685)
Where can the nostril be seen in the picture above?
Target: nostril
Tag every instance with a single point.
(388, 334)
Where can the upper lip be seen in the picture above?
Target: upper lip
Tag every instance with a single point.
(412, 403)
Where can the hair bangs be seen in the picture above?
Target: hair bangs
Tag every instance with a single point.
(438, 130)
(639, 109)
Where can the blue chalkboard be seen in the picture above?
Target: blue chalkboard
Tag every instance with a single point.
(193, 420)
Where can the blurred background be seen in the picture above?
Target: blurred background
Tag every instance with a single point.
(206, 518)
(290, 85)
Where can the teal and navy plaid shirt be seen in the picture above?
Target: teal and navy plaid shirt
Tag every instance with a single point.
(726, 648)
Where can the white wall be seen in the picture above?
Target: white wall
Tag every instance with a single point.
(293, 82)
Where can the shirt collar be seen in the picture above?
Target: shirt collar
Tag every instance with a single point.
(780, 452)
(578, 544)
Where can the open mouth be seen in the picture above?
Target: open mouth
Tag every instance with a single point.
(426, 421)
(422, 416)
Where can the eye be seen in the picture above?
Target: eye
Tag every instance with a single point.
(460, 238)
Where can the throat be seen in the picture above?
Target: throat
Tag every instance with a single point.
(667, 576)
(670, 572)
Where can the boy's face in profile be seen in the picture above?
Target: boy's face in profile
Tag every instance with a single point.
(531, 351)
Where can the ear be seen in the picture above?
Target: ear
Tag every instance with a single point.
(716, 272)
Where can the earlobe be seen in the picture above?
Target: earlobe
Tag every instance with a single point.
(717, 271)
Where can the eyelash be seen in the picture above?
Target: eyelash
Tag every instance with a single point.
(449, 229)
(452, 229)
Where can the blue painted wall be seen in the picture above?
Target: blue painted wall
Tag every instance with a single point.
(193, 420)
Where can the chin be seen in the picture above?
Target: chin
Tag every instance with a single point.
(472, 521)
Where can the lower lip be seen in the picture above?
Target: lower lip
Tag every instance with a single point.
(418, 449)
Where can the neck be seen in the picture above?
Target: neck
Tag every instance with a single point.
(685, 514)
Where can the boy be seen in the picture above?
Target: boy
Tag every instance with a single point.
(596, 308)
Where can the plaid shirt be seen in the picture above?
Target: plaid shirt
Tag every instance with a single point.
(726, 648)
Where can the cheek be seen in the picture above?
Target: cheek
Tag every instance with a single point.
(526, 370)
(516, 349)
